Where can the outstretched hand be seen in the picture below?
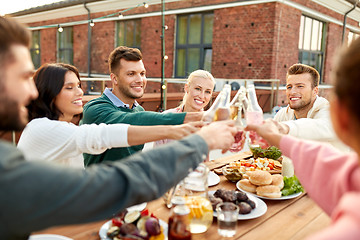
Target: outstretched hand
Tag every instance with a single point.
(269, 130)
(219, 135)
(180, 131)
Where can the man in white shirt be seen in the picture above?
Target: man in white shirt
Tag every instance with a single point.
(307, 116)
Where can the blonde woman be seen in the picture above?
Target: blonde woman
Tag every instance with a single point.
(198, 91)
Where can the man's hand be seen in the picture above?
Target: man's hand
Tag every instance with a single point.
(269, 130)
(219, 135)
(283, 128)
(180, 131)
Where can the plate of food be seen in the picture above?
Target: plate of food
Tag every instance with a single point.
(274, 187)
(134, 225)
(213, 179)
(250, 207)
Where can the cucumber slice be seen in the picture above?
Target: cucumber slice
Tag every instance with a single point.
(132, 217)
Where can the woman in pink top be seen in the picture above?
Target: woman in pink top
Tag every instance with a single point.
(198, 91)
(330, 177)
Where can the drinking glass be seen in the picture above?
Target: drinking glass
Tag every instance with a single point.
(227, 216)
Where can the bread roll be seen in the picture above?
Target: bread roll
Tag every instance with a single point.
(270, 191)
(260, 178)
(277, 180)
(246, 185)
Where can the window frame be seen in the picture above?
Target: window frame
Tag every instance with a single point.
(352, 36)
(202, 46)
(33, 49)
(65, 49)
(321, 53)
(117, 29)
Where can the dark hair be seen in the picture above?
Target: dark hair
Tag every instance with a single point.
(49, 80)
(347, 77)
(122, 52)
(299, 68)
(11, 33)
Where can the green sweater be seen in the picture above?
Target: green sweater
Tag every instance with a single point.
(102, 110)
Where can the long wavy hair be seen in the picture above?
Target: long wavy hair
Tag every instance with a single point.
(49, 80)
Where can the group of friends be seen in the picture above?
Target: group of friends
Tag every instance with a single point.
(63, 173)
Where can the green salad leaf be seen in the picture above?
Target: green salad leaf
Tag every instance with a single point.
(270, 152)
(291, 185)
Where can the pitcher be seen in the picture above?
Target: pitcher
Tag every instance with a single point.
(197, 199)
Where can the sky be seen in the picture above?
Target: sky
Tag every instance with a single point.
(10, 6)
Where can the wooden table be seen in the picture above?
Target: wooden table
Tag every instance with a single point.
(287, 219)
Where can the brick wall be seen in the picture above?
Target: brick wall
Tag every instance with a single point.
(286, 41)
(102, 43)
(253, 41)
(243, 41)
(48, 45)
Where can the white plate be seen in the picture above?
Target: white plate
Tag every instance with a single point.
(213, 179)
(104, 228)
(258, 211)
(280, 198)
(138, 207)
(48, 237)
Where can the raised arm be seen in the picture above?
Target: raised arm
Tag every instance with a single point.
(143, 134)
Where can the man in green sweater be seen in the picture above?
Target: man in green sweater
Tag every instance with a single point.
(118, 105)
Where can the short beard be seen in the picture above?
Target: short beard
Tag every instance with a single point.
(10, 119)
(128, 94)
(303, 106)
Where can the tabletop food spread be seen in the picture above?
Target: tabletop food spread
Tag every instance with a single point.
(255, 177)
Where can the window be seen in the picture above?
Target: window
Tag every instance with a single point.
(128, 33)
(311, 43)
(35, 48)
(65, 46)
(193, 43)
(352, 36)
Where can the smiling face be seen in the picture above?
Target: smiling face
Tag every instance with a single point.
(130, 82)
(17, 89)
(299, 92)
(198, 94)
(69, 100)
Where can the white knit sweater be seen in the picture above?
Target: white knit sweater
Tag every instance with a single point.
(63, 142)
(316, 126)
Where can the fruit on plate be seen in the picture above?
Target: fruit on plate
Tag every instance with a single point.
(135, 225)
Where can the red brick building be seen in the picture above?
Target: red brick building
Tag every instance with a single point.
(254, 39)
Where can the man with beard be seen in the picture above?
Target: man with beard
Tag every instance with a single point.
(118, 105)
(37, 195)
(307, 116)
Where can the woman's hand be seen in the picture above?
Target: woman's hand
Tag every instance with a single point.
(219, 135)
(180, 131)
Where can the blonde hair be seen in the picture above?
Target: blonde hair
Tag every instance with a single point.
(197, 73)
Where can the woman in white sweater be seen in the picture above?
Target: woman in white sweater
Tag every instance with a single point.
(51, 136)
